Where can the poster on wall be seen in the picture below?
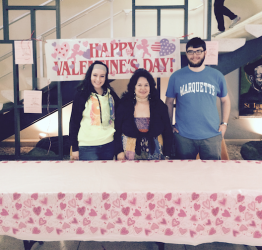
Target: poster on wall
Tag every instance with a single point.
(250, 96)
(69, 59)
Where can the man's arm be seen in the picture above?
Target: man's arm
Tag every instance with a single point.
(170, 106)
(225, 111)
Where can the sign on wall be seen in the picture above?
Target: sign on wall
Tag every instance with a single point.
(250, 97)
(69, 59)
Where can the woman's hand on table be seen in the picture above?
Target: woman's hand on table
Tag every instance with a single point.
(75, 155)
(121, 156)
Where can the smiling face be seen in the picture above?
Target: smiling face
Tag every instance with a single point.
(98, 78)
(195, 56)
(142, 88)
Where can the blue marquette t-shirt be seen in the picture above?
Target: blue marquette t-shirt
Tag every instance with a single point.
(196, 93)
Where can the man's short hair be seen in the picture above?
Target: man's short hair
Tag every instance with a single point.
(249, 68)
(196, 42)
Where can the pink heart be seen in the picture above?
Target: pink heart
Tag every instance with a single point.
(158, 213)
(253, 224)
(55, 68)
(60, 196)
(175, 223)
(163, 222)
(182, 231)
(92, 213)
(226, 213)
(213, 196)
(42, 221)
(65, 226)
(138, 230)
(257, 234)
(16, 217)
(208, 222)
(241, 208)
(37, 210)
(104, 217)
(16, 196)
(259, 214)
(86, 222)
(168, 196)
(44, 201)
(215, 211)
(62, 206)
(148, 217)
(199, 228)
(223, 202)
(123, 196)
(5, 228)
(240, 198)
(248, 216)
(168, 232)
(235, 233)
(103, 231)
(1, 200)
(212, 231)
(48, 212)
(219, 222)
(113, 41)
(25, 213)
(166, 47)
(124, 231)
(22, 225)
(151, 206)
(119, 221)
(27, 203)
(252, 206)
(149, 196)
(161, 203)
(196, 206)
(130, 222)
(195, 196)
(79, 230)
(137, 213)
(69, 213)
(107, 206)
(225, 230)
(82, 210)
(192, 233)
(242, 228)
(4, 212)
(193, 218)
(105, 196)
(36, 230)
(54, 55)
(125, 210)
(60, 217)
(93, 229)
(133, 202)
(182, 213)
(99, 47)
(170, 211)
(110, 225)
(259, 199)
(85, 43)
(116, 203)
(62, 50)
(238, 219)
(147, 232)
(178, 201)
(74, 221)
(154, 226)
(203, 214)
(72, 203)
(18, 206)
(89, 201)
(49, 229)
(79, 196)
(206, 204)
(59, 231)
(113, 214)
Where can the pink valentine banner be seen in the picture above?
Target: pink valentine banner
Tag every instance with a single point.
(69, 59)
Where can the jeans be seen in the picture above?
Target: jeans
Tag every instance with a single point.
(221, 11)
(101, 152)
(208, 149)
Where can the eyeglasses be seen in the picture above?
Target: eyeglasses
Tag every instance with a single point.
(198, 52)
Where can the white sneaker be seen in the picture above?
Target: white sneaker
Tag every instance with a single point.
(218, 33)
(234, 22)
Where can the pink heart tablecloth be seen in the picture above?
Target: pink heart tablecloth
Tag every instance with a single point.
(184, 202)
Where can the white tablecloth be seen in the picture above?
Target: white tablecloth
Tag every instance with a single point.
(184, 202)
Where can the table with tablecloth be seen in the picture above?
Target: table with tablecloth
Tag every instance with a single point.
(184, 202)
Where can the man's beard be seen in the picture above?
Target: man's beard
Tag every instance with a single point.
(196, 65)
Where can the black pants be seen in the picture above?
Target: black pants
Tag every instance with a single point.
(221, 11)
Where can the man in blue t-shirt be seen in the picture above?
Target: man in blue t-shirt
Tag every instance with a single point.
(196, 88)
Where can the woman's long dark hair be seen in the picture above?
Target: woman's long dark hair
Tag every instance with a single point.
(130, 93)
(86, 87)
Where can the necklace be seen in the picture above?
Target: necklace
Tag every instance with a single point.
(141, 99)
